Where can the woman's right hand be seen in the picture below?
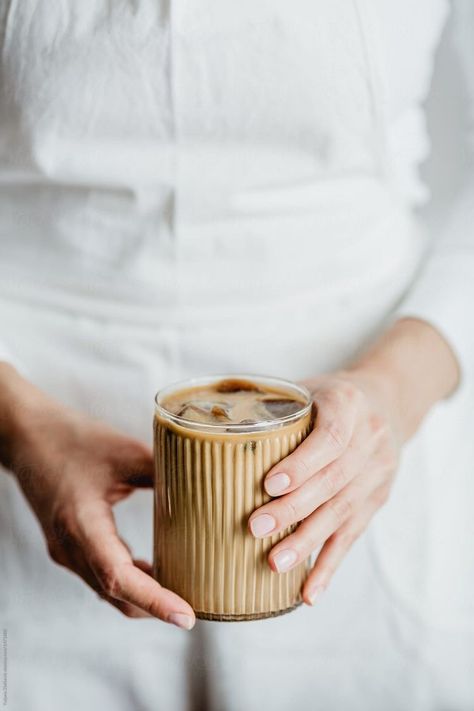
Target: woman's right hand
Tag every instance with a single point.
(72, 470)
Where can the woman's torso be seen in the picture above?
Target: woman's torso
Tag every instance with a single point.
(194, 164)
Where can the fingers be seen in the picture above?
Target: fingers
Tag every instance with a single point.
(133, 463)
(80, 567)
(125, 608)
(321, 524)
(335, 420)
(143, 565)
(336, 547)
(119, 578)
(329, 558)
(282, 512)
(70, 555)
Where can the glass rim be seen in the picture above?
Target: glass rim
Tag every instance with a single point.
(233, 427)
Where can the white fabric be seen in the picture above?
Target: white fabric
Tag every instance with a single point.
(189, 188)
(444, 289)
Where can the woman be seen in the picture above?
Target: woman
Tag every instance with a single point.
(195, 188)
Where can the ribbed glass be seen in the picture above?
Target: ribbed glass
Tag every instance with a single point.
(206, 486)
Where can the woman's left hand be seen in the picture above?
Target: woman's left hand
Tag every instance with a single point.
(335, 481)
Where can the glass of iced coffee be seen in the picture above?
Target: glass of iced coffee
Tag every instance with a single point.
(215, 438)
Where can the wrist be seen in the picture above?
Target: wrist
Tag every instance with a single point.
(19, 399)
(412, 368)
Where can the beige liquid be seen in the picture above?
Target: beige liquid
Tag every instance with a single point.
(208, 483)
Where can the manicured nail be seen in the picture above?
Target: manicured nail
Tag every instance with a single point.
(284, 559)
(263, 524)
(181, 620)
(314, 593)
(276, 484)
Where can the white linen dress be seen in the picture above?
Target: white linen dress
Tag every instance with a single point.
(198, 187)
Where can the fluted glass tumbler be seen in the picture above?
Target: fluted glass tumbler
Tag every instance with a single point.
(208, 480)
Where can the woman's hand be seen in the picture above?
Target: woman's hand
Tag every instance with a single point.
(339, 476)
(73, 470)
(333, 482)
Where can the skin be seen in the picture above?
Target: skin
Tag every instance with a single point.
(341, 474)
(73, 469)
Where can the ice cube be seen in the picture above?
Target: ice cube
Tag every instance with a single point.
(220, 412)
(205, 411)
(281, 407)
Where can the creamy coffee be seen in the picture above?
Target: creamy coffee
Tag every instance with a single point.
(232, 400)
(214, 440)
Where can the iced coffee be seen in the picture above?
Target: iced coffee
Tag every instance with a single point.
(215, 439)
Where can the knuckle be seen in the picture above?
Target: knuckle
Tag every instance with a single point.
(344, 391)
(289, 511)
(337, 434)
(334, 479)
(303, 468)
(377, 424)
(109, 578)
(156, 608)
(341, 509)
(349, 391)
(310, 542)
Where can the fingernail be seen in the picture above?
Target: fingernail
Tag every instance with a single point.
(263, 524)
(284, 559)
(181, 620)
(314, 593)
(276, 484)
